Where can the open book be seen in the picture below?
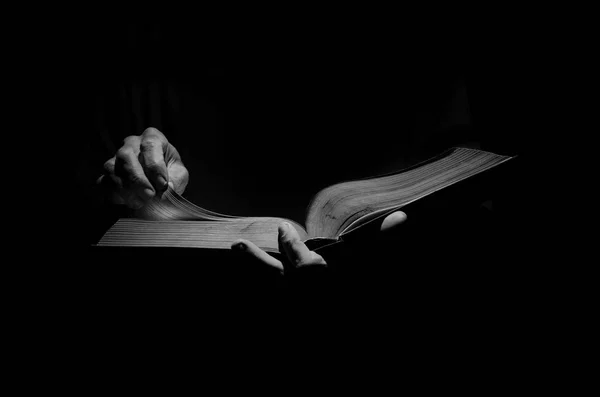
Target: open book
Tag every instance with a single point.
(333, 213)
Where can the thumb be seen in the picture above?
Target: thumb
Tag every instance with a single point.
(178, 176)
(296, 251)
(377, 230)
(392, 221)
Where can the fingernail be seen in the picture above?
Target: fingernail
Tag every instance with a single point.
(162, 183)
(149, 193)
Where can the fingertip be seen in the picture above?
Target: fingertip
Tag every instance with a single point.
(252, 250)
(283, 228)
(400, 216)
(239, 245)
(161, 183)
(148, 194)
(393, 220)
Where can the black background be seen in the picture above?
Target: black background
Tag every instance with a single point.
(266, 121)
(308, 107)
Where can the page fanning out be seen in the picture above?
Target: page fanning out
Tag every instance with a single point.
(172, 206)
(172, 221)
(345, 206)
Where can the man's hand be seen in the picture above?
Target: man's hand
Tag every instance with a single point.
(143, 168)
(297, 252)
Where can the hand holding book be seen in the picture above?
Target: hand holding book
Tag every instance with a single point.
(336, 214)
(296, 252)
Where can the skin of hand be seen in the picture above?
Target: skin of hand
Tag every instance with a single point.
(143, 168)
(297, 252)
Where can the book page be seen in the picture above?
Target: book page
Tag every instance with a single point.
(172, 206)
(173, 221)
(345, 206)
(130, 232)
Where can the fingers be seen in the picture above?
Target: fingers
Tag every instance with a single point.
(296, 251)
(178, 176)
(373, 234)
(251, 249)
(161, 162)
(136, 188)
(153, 147)
(392, 221)
(290, 244)
(142, 168)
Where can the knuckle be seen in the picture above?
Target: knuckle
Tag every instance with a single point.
(150, 156)
(124, 153)
(150, 164)
(135, 179)
(152, 167)
(291, 241)
(131, 140)
(109, 165)
(148, 144)
(152, 132)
